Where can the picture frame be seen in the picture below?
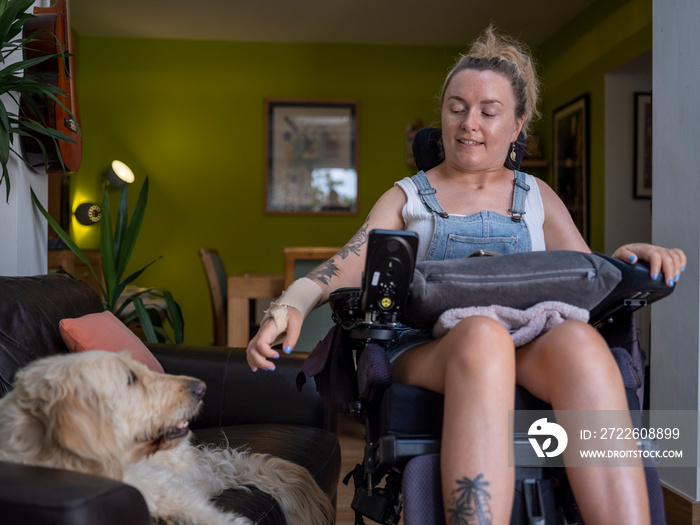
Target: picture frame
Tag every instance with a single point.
(571, 159)
(311, 156)
(642, 145)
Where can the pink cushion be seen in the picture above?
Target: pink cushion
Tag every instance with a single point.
(103, 331)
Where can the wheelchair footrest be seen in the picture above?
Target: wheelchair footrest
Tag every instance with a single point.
(380, 504)
(375, 505)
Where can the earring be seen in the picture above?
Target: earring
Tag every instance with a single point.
(513, 156)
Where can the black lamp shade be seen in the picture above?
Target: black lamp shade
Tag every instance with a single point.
(88, 213)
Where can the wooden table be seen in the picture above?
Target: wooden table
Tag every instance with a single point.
(242, 291)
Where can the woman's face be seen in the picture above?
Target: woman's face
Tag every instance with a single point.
(478, 120)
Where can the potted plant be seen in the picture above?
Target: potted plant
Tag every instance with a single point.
(116, 247)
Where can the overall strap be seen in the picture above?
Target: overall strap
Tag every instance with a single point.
(520, 189)
(427, 194)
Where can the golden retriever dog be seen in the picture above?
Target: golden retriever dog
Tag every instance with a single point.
(104, 413)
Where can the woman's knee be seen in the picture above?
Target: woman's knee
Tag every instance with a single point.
(577, 348)
(478, 342)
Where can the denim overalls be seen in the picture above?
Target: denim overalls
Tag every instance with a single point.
(455, 237)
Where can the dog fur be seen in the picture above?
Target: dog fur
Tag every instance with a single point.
(104, 413)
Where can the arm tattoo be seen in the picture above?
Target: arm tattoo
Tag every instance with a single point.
(354, 244)
(325, 272)
(469, 503)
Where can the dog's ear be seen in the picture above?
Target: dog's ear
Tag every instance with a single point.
(85, 436)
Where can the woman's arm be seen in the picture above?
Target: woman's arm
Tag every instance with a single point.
(342, 270)
(560, 233)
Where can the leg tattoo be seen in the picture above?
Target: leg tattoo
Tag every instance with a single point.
(469, 503)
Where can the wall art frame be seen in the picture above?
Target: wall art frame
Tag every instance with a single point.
(571, 151)
(311, 156)
(642, 145)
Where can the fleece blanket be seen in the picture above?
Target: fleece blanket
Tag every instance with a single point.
(523, 325)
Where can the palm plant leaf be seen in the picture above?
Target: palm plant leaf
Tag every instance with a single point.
(107, 252)
(66, 239)
(174, 315)
(128, 242)
(4, 136)
(12, 18)
(121, 224)
(131, 278)
(145, 320)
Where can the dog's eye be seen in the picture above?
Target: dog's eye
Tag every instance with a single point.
(132, 378)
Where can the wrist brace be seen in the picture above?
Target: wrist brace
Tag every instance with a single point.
(303, 294)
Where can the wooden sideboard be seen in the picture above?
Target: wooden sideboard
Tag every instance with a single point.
(67, 260)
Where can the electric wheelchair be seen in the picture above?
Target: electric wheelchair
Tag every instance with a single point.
(400, 472)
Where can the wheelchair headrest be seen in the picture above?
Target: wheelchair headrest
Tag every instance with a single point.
(427, 149)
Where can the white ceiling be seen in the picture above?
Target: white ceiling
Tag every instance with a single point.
(419, 22)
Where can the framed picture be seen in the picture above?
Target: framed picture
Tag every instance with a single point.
(571, 151)
(642, 145)
(311, 156)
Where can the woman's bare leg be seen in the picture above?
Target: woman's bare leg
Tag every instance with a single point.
(572, 368)
(474, 367)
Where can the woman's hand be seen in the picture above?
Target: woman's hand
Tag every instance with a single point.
(260, 351)
(670, 262)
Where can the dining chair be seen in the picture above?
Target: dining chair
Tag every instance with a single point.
(215, 271)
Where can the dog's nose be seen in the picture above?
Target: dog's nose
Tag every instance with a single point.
(198, 388)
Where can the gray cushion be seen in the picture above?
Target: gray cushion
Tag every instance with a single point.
(518, 280)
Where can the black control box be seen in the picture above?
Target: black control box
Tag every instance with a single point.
(388, 274)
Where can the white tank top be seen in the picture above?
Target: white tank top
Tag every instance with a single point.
(417, 218)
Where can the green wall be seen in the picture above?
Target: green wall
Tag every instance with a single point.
(189, 115)
(573, 62)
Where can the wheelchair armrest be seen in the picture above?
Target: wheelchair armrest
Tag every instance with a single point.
(635, 290)
(39, 495)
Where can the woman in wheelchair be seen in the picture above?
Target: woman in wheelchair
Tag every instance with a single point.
(472, 201)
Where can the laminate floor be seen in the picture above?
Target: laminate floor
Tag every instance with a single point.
(351, 434)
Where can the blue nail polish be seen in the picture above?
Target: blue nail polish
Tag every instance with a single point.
(287, 349)
(683, 268)
(655, 276)
(671, 282)
(276, 356)
(632, 258)
(271, 369)
(676, 277)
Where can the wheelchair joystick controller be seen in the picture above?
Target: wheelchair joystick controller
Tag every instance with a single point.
(386, 282)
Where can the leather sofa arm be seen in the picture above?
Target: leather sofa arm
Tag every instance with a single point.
(40, 495)
(236, 395)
